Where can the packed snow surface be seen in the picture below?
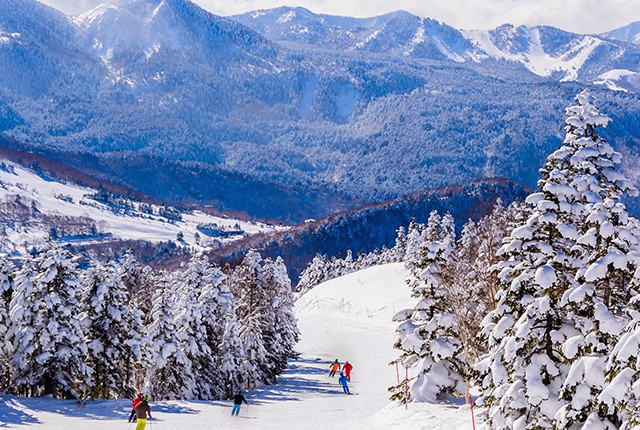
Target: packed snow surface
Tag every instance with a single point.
(348, 318)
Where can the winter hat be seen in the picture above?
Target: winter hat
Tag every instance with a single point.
(145, 399)
(140, 395)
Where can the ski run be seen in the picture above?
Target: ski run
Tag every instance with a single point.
(346, 318)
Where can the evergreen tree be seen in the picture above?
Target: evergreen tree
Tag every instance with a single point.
(138, 281)
(222, 335)
(114, 334)
(428, 333)
(314, 274)
(251, 296)
(524, 375)
(192, 333)
(169, 374)
(604, 241)
(619, 401)
(48, 340)
(6, 291)
(281, 331)
(400, 248)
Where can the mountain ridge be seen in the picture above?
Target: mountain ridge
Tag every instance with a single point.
(315, 127)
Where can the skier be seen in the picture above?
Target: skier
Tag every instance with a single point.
(334, 368)
(342, 380)
(135, 402)
(237, 402)
(142, 411)
(347, 370)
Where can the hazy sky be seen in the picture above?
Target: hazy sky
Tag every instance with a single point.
(580, 16)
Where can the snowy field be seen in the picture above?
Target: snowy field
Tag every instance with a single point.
(348, 318)
(56, 198)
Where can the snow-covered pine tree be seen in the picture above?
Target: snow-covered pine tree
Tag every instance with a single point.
(596, 304)
(442, 367)
(523, 374)
(418, 238)
(222, 335)
(337, 266)
(314, 274)
(348, 262)
(6, 291)
(232, 357)
(48, 340)
(198, 326)
(410, 340)
(413, 242)
(281, 332)
(400, 248)
(428, 333)
(251, 296)
(168, 374)
(619, 401)
(138, 282)
(114, 334)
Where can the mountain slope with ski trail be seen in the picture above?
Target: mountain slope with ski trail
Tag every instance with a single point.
(348, 318)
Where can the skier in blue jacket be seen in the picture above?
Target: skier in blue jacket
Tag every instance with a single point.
(342, 380)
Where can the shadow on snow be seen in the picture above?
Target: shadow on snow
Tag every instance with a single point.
(17, 409)
(11, 411)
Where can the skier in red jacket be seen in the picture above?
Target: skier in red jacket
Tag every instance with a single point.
(134, 404)
(347, 370)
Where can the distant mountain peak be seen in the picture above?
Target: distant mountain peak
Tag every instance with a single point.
(629, 33)
(148, 26)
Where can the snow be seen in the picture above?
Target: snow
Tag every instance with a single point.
(56, 198)
(536, 59)
(545, 276)
(348, 318)
(616, 79)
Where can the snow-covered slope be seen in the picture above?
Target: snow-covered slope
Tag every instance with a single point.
(551, 52)
(32, 206)
(397, 33)
(545, 51)
(37, 45)
(629, 33)
(347, 318)
(137, 30)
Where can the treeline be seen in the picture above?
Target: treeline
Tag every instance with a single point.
(536, 305)
(111, 329)
(374, 226)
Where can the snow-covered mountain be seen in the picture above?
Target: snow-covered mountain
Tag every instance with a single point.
(293, 115)
(397, 33)
(548, 51)
(545, 51)
(38, 44)
(629, 33)
(137, 31)
(34, 208)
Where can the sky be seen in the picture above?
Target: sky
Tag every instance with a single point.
(579, 16)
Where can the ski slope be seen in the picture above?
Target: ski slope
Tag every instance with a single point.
(348, 318)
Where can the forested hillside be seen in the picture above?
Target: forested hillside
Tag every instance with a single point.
(224, 110)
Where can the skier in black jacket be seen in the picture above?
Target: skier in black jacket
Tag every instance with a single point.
(237, 401)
